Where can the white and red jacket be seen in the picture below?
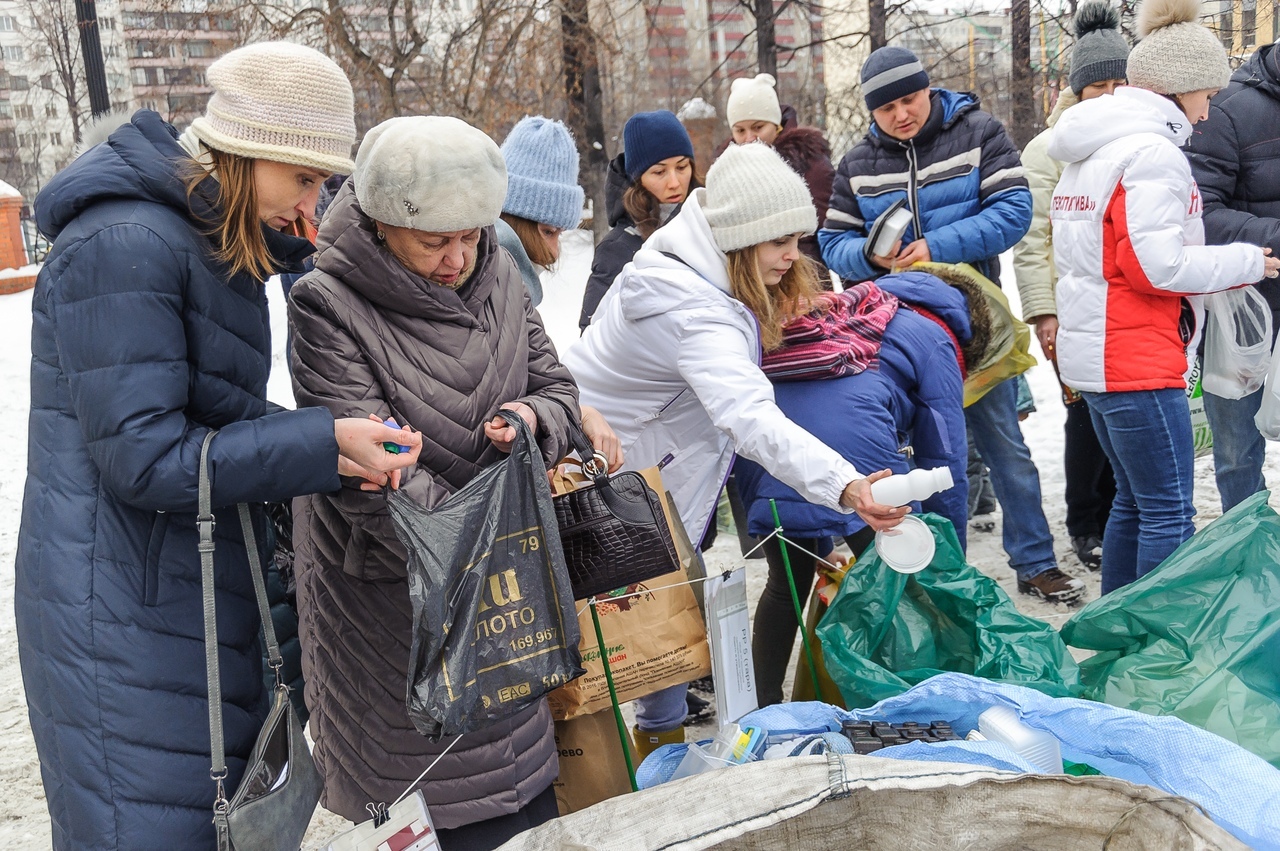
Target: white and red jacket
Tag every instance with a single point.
(1129, 244)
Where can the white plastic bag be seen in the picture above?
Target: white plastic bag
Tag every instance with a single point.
(1268, 417)
(1237, 344)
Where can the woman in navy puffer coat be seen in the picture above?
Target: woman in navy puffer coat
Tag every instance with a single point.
(142, 341)
(906, 408)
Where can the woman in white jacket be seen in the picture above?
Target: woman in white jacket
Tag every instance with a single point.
(1129, 248)
(672, 360)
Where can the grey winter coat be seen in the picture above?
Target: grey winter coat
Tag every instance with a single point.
(370, 337)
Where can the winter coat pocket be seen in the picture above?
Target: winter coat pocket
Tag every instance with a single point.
(155, 545)
(368, 560)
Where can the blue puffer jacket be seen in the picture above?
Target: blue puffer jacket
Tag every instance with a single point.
(960, 176)
(140, 344)
(914, 397)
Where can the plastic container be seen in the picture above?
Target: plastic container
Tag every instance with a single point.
(1041, 749)
(907, 547)
(919, 484)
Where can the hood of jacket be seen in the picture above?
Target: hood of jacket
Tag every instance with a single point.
(1261, 71)
(947, 107)
(934, 295)
(656, 282)
(615, 186)
(1088, 126)
(801, 146)
(1067, 98)
(142, 161)
(348, 249)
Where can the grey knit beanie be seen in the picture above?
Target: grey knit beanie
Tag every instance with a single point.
(753, 196)
(1100, 53)
(1176, 55)
(430, 173)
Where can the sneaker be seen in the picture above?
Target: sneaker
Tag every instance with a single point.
(700, 711)
(1088, 549)
(983, 523)
(1055, 586)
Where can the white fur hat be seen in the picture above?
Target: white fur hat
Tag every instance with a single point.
(753, 196)
(430, 173)
(753, 99)
(282, 102)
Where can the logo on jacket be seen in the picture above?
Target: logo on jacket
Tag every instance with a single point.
(1197, 203)
(1074, 204)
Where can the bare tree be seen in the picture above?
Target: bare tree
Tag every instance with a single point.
(586, 111)
(56, 47)
(1023, 126)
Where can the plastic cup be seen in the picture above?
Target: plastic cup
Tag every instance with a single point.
(908, 547)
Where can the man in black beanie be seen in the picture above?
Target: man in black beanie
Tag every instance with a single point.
(1235, 157)
(959, 175)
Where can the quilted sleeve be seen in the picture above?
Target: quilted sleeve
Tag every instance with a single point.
(117, 301)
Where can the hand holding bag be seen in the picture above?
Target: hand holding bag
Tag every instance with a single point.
(614, 534)
(272, 807)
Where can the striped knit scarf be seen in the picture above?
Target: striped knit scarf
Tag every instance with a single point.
(842, 337)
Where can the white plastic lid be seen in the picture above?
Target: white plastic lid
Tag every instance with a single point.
(908, 547)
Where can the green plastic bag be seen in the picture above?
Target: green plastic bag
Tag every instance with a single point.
(1199, 636)
(887, 631)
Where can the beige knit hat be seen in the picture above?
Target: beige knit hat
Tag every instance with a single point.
(430, 173)
(1176, 55)
(753, 99)
(753, 196)
(282, 102)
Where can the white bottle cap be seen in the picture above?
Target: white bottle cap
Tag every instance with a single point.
(908, 547)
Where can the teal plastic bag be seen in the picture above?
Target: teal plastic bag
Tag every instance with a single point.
(1198, 637)
(886, 631)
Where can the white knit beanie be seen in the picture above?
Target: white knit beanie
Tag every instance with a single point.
(753, 99)
(430, 173)
(1176, 55)
(753, 196)
(282, 102)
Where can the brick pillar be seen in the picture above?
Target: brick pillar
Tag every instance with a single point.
(13, 252)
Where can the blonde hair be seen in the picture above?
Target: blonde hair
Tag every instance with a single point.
(236, 230)
(774, 307)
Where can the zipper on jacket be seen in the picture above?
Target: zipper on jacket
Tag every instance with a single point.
(913, 190)
(151, 572)
(647, 418)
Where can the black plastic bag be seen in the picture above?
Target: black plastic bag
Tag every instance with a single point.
(494, 625)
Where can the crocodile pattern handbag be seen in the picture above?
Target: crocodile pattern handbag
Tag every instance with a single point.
(613, 531)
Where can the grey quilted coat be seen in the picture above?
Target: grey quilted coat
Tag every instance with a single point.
(370, 337)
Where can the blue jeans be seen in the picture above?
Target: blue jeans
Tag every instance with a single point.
(993, 422)
(1238, 448)
(663, 710)
(1147, 436)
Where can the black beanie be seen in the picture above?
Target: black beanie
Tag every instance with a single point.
(891, 73)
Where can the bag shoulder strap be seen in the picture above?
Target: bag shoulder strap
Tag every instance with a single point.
(205, 523)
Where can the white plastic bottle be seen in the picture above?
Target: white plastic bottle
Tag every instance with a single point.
(1038, 747)
(917, 485)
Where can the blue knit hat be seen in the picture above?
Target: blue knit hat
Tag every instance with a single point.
(542, 173)
(651, 137)
(891, 73)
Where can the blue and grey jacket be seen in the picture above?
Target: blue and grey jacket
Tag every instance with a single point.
(960, 176)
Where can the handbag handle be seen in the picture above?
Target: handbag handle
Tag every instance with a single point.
(205, 523)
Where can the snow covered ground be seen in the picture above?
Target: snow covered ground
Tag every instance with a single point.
(24, 819)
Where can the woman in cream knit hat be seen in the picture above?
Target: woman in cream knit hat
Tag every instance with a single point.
(150, 332)
(1130, 254)
(672, 359)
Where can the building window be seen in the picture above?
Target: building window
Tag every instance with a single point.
(1249, 23)
(1226, 24)
(12, 53)
(8, 24)
(6, 109)
(23, 111)
(107, 23)
(55, 138)
(50, 110)
(19, 83)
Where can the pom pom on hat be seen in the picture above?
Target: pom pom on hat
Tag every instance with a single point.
(649, 138)
(753, 99)
(753, 196)
(282, 102)
(1100, 53)
(1176, 54)
(430, 173)
(542, 173)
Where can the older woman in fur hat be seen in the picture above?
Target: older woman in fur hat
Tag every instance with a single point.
(415, 312)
